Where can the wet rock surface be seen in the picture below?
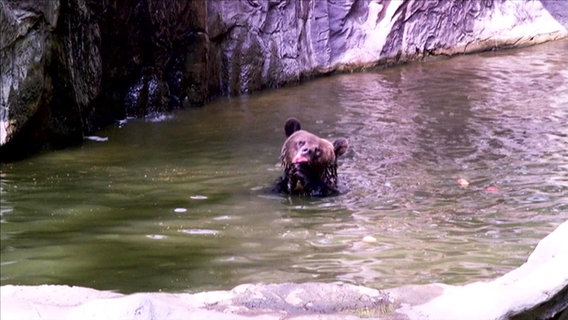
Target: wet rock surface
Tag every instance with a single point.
(309, 298)
(51, 74)
(71, 66)
(536, 290)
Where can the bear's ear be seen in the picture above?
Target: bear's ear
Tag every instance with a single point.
(292, 125)
(340, 146)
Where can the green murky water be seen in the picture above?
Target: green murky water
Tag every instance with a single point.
(181, 203)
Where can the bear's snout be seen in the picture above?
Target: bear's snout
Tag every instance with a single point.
(305, 154)
(302, 156)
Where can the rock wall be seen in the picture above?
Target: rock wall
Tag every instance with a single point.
(69, 67)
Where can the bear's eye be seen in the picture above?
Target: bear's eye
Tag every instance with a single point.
(317, 152)
(301, 143)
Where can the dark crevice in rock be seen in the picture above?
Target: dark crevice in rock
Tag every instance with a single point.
(555, 308)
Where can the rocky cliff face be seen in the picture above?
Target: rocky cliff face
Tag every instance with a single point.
(71, 66)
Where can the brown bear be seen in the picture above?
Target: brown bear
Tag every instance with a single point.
(310, 162)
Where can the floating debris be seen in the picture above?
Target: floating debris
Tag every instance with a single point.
(156, 236)
(207, 232)
(463, 182)
(180, 210)
(369, 239)
(198, 197)
(96, 138)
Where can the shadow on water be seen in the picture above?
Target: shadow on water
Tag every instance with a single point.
(181, 204)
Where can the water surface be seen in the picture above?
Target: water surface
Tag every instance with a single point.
(182, 203)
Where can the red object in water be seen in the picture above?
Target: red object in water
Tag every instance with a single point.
(491, 189)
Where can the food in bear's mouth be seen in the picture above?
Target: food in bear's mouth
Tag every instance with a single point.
(300, 159)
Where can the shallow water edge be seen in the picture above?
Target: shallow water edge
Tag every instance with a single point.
(502, 298)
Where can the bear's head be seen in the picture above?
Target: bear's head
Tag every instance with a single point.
(310, 162)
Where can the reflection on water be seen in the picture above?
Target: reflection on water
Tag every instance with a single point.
(182, 204)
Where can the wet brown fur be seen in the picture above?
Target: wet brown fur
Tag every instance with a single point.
(318, 175)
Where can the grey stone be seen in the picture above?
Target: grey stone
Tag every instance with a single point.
(51, 73)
